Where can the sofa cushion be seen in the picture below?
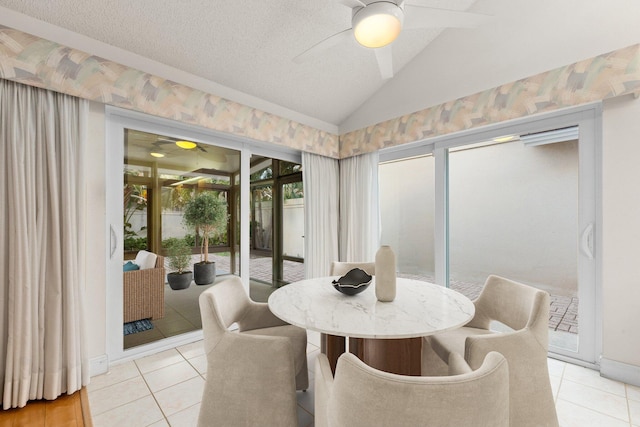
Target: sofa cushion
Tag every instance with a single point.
(146, 260)
(130, 266)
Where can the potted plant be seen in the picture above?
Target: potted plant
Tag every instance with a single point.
(179, 260)
(206, 213)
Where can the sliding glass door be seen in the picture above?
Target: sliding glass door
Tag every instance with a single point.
(513, 212)
(277, 225)
(407, 207)
(162, 175)
(516, 200)
(156, 167)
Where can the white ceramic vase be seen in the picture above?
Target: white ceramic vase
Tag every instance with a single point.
(385, 274)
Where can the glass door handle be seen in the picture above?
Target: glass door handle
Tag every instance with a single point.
(586, 241)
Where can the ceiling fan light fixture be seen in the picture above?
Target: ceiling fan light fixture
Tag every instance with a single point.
(187, 145)
(377, 24)
(156, 154)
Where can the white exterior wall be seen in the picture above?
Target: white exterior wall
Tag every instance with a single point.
(513, 212)
(293, 228)
(407, 204)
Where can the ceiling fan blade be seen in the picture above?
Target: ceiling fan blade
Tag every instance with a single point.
(418, 16)
(160, 142)
(385, 61)
(323, 45)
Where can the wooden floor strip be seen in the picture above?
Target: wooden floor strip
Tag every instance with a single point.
(86, 412)
(66, 411)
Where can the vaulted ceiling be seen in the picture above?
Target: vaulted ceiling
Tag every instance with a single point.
(243, 49)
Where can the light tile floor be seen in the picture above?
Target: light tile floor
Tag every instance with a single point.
(165, 390)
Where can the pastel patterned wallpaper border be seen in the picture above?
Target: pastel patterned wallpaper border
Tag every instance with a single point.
(604, 76)
(28, 59)
(37, 62)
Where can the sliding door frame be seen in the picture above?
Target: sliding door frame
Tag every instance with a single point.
(117, 120)
(588, 118)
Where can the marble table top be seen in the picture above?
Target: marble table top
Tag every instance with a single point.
(419, 309)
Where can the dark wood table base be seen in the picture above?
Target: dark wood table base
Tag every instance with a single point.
(333, 346)
(398, 356)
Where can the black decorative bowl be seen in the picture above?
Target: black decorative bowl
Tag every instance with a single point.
(354, 282)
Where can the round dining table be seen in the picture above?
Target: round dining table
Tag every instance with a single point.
(385, 335)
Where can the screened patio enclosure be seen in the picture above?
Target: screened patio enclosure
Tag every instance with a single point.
(161, 174)
(160, 178)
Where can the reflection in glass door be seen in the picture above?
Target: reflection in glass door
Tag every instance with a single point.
(262, 232)
(277, 225)
(292, 231)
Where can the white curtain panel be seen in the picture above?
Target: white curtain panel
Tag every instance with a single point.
(42, 345)
(320, 177)
(359, 228)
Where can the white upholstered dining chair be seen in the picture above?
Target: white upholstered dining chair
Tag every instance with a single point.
(361, 396)
(252, 373)
(525, 311)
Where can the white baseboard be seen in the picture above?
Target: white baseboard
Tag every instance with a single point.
(619, 371)
(98, 365)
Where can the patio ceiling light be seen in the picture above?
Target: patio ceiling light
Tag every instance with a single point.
(156, 154)
(187, 145)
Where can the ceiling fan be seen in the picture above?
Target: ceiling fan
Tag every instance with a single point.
(377, 24)
(182, 144)
(212, 153)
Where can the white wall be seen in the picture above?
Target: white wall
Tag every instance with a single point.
(513, 212)
(621, 231)
(95, 236)
(293, 217)
(407, 206)
(293, 227)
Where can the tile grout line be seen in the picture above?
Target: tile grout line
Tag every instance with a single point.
(152, 393)
(596, 411)
(597, 388)
(564, 369)
(153, 396)
(198, 374)
(602, 391)
(626, 395)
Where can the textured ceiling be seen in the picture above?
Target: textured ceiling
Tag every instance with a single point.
(245, 45)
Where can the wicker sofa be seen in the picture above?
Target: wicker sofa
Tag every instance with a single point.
(143, 293)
